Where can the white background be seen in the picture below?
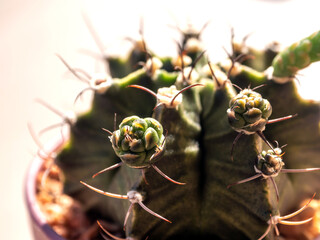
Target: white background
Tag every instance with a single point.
(32, 31)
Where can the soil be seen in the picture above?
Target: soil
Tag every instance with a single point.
(63, 213)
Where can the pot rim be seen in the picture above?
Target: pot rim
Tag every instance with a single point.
(38, 219)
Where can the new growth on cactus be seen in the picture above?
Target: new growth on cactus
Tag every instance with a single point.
(139, 143)
(170, 155)
(269, 164)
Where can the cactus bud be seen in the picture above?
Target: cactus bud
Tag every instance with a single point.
(136, 141)
(248, 112)
(270, 163)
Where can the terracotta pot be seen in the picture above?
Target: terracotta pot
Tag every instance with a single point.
(41, 229)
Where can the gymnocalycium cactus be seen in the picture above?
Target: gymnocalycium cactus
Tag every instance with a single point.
(172, 160)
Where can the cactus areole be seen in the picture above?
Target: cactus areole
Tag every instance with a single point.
(189, 132)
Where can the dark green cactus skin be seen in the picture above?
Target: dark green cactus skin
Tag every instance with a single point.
(198, 143)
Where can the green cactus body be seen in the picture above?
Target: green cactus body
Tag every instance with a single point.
(190, 141)
(298, 56)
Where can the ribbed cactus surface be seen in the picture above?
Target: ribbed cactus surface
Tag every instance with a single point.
(186, 132)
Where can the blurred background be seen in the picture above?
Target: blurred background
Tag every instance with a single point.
(33, 31)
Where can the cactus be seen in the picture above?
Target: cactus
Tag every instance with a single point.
(173, 151)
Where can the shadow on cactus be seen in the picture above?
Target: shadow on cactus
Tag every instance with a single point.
(196, 104)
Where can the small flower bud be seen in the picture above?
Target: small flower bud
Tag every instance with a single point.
(137, 140)
(248, 112)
